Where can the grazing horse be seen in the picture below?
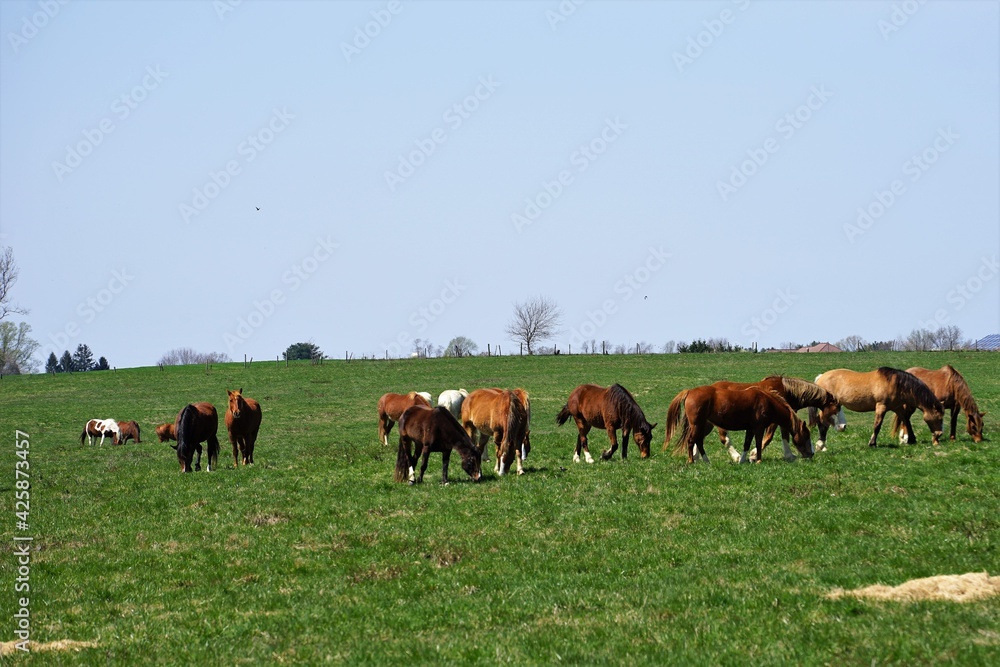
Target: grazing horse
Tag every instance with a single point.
(242, 423)
(197, 423)
(432, 430)
(751, 409)
(391, 407)
(823, 409)
(166, 432)
(452, 399)
(610, 408)
(505, 414)
(129, 430)
(885, 389)
(951, 389)
(101, 427)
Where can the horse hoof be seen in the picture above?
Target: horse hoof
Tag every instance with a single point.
(412, 482)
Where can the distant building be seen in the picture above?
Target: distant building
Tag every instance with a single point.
(820, 347)
(989, 343)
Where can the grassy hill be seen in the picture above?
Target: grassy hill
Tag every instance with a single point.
(314, 555)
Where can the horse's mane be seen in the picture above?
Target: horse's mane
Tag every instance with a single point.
(911, 384)
(806, 392)
(626, 406)
(960, 389)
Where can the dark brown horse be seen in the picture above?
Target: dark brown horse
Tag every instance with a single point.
(166, 432)
(611, 408)
(100, 427)
(751, 409)
(391, 407)
(504, 414)
(242, 423)
(129, 430)
(882, 390)
(197, 423)
(951, 389)
(799, 394)
(432, 430)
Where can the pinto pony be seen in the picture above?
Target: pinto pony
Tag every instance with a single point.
(751, 409)
(951, 389)
(197, 423)
(128, 430)
(391, 407)
(882, 390)
(242, 423)
(432, 430)
(101, 427)
(610, 408)
(505, 414)
(798, 394)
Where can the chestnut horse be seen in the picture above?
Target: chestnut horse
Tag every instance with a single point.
(129, 430)
(505, 414)
(951, 389)
(166, 432)
(798, 394)
(432, 430)
(101, 427)
(610, 408)
(885, 389)
(242, 422)
(197, 423)
(751, 409)
(391, 407)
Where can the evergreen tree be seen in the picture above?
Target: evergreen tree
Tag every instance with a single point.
(303, 351)
(52, 365)
(102, 365)
(66, 363)
(83, 358)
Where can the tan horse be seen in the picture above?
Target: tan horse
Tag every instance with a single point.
(242, 423)
(423, 430)
(951, 389)
(166, 432)
(751, 409)
(391, 406)
(882, 390)
(504, 414)
(609, 408)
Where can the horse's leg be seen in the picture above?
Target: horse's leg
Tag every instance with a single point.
(445, 457)
(234, 441)
(625, 435)
(735, 455)
(610, 451)
(406, 441)
(582, 443)
(699, 441)
(520, 466)
(251, 443)
(954, 419)
(744, 458)
(388, 427)
(426, 454)
(879, 416)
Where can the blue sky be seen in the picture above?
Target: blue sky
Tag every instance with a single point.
(760, 171)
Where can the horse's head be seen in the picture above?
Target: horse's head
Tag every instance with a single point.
(975, 425)
(643, 437)
(934, 418)
(236, 402)
(802, 439)
(471, 461)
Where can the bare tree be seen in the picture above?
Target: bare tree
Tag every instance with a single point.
(185, 355)
(852, 344)
(919, 340)
(8, 276)
(669, 347)
(948, 338)
(534, 320)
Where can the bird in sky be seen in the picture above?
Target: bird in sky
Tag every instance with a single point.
(258, 208)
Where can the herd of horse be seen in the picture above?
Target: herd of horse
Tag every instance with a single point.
(464, 422)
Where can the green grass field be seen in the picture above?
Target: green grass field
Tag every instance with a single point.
(315, 556)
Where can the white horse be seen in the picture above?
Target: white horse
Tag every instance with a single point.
(101, 427)
(452, 400)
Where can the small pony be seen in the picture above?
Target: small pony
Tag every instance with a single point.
(101, 427)
(391, 407)
(197, 423)
(166, 432)
(609, 408)
(129, 430)
(432, 430)
(242, 423)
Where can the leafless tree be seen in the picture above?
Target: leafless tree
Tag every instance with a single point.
(669, 347)
(852, 344)
(8, 276)
(919, 340)
(534, 320)
(185, 355)
(948, 338)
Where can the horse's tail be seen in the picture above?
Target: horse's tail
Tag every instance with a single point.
(402, 472)
(381, 419)
(563, 415)
(897, 424)
(676, 417)
(517, 422)
(83, 436)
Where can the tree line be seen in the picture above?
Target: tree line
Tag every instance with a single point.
(80, 361)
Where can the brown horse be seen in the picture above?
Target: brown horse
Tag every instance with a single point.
(798, 394)
(166, 432)
(391, 407)
(197, 423)
(128, 430)
(100, 427)
(432, 430)
(751, 409)
(951, 389)
(505, 414)
(885, 389)
(242, 422)
(610, 408)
